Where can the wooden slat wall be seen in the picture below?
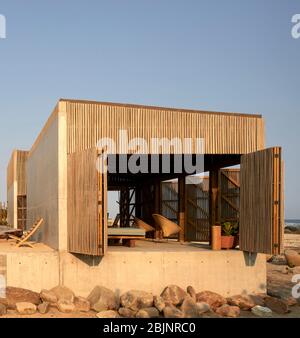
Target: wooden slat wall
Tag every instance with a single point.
(21, 171)
(261, 218)
(229, 195)
(223, 133)
(11, 170)
(169, 200)
(197, 228)
(16, 170)
(86, 204)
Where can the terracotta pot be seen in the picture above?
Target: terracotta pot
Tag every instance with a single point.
(227, 242)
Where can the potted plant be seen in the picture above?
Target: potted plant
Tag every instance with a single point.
(227, 238)
(236, 234)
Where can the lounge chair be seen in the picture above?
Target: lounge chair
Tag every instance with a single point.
(28, 234)
(168, 227)
(143, 225)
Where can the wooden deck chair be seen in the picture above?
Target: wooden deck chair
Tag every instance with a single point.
(168, 227)
(27, 234)
(143, 225)
(116, 220)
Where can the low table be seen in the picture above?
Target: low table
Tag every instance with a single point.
(128, 235)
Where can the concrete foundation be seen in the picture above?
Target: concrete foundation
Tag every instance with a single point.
(149, 267)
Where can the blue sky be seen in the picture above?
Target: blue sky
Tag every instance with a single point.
(230, 55)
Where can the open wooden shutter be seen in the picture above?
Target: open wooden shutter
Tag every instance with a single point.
(87, 216)
(261, 202)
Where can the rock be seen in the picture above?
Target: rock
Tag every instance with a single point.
(65, 306)
(173, 294)
(18, 295)
(159, 303)
(228, 311)
(258, 299)
(203, 307)
(43, 307)
(150, 312)
(286, 270)
(63, 293)
(274, 293)
(261, 311)
(25, 308)
(213, 299)
(276, 305)
(3, 310)
(243, 302)
(108, 314)
(191, 291)
(136, 300)
(171, 311)
(296, 270)
(127, 313)
(191, 309)
(102, 299)
(290, 229)
(48, 296)
(82, 304)
(291, 301)
(292, 258)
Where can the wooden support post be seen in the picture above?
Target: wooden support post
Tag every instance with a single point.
(182, 207)
(157, 205)
(124, 207)
(214, 185)
(138, 199)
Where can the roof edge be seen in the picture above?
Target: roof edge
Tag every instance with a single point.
(130, 105)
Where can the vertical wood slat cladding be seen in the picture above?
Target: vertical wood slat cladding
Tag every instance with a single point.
(85, 204)
(223, 133)
(261, 195)
(16, 170)
(10, 174)
(21, 171)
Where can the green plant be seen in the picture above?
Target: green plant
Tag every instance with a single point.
(236, 228)
(228, 229)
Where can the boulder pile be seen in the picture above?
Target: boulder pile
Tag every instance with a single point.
(173, 302)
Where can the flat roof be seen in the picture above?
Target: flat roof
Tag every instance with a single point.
(139, 106)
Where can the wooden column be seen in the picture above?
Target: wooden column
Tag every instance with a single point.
(138, 200)
(182, 207)
(214, 186)
(124, 207)
(157, 205)
(157, 197)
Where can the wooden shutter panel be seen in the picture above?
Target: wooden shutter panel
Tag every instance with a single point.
(261, 202)
(87, 217)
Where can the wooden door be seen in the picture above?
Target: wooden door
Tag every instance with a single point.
(261, 202)
(87, 210)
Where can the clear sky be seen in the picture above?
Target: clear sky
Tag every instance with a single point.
(214, 55)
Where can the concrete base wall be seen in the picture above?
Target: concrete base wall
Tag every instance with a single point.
(224, 272)
(33, 271)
